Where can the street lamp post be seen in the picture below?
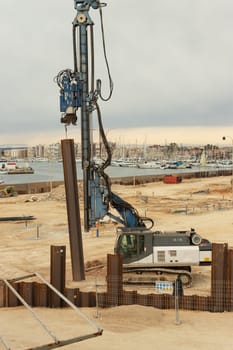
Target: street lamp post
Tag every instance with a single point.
(224, 138)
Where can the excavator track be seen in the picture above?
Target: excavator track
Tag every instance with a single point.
(185, 276)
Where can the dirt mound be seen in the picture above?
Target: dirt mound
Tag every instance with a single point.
(114, 319)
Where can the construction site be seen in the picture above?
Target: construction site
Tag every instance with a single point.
(98, 264)
(33, 246)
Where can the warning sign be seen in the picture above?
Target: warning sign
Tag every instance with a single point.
(164, 287)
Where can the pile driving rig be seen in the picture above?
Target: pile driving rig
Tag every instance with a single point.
(142, 248)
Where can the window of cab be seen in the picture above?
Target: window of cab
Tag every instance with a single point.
(132, 245)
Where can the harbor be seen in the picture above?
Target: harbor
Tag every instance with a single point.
(15, 168)
(116, 218)
(48, 175)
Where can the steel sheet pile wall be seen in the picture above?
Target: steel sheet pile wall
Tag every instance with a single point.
(166, 301)
(35, 294)
(220, 299)
(39, 295)
(114, 280)
(57, 274)
(222, 278)
(229, 281)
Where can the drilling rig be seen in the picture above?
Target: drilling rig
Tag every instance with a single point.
(142, 247)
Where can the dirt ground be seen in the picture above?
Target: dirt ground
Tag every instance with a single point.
(203, 204)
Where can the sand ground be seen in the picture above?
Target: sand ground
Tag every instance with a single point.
(203, 204)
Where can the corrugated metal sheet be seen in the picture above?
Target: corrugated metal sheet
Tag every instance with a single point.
(221, 298)
(229, 281)
(218, 276)
(114, 279)
(57, 273)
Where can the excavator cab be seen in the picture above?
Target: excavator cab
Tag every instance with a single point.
(134, 244)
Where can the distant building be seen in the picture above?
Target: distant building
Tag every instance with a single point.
(14, 151)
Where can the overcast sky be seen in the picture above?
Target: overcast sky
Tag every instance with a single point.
(171, 63)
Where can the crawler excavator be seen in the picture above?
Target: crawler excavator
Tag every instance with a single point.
(142, 247)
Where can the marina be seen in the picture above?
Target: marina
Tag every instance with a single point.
(52, 171)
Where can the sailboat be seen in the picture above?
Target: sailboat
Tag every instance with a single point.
(203, 159)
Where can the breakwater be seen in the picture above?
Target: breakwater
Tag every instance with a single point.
(47, 186)
(140, 179)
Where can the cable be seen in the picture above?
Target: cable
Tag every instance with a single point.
(104, 138)
(122, 206)
(99, 83)
(75, 49)
(107, 162)
(92, 58)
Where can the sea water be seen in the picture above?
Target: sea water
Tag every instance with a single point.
(53, 171)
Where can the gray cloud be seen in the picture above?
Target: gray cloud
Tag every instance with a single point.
(171, 62)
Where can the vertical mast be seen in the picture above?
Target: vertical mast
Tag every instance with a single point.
(85, 122)
(83, 21)
(76, 93)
